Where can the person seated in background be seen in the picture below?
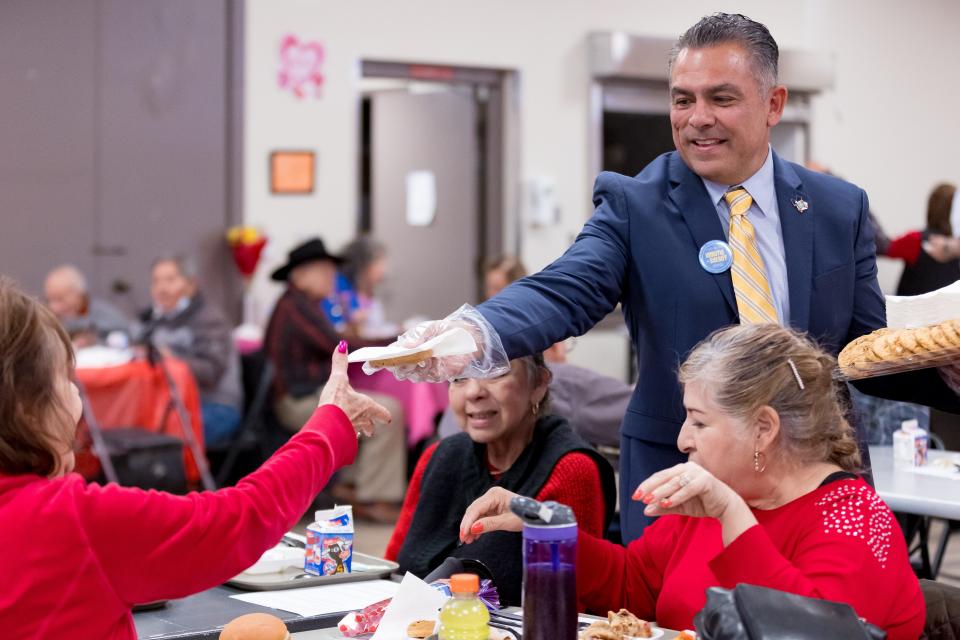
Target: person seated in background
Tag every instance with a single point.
(127, 546)
(299, 339)
(510, 440)
(499, 272)
(353, 307)
(770, 496)
(594, 404)
(88, 320)
(182, 323)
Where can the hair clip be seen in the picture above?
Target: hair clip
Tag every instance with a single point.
(796, 374)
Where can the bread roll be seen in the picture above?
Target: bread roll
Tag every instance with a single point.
(255, 626)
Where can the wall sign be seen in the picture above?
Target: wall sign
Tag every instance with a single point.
(300, 69)
(291, 172)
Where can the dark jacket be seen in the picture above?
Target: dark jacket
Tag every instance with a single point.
(200, 335)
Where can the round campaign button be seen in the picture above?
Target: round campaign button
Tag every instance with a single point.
(716, 256)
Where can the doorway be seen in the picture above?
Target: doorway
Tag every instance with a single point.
(432, 187)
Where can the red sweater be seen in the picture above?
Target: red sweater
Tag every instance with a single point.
(77, 556)
(839, 542)
(574, 482)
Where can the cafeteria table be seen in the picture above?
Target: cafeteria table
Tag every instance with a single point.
(916, 493)
(201, 616)
(915, 497)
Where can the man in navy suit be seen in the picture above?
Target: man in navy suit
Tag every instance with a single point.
(642, 247)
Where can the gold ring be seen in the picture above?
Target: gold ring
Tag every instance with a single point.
(683, 479)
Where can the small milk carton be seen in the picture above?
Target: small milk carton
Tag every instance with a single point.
(910, 445)
(330, 542)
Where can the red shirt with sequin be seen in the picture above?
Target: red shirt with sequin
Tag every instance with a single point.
(839, 542)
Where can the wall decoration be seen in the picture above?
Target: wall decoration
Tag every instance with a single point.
(300, 69)
(291, 172)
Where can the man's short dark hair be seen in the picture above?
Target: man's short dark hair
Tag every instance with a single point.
(723, 28)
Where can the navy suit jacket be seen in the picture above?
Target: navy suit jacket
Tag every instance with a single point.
(640, 248)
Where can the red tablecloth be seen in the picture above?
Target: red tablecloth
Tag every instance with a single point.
(421, 401)
(136, 394)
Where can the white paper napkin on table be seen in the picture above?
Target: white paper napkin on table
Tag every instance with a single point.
(906, 312)
(455, 342)
(414, 600)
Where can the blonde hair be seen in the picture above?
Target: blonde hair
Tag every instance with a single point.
(746, 367)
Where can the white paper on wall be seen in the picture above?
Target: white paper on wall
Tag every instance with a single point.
(421, 198)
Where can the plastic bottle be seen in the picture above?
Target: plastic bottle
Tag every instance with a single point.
(464, 616)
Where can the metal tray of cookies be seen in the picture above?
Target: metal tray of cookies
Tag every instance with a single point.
(888, 351)
(364, 568)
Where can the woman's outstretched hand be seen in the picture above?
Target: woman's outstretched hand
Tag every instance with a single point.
(363, 412)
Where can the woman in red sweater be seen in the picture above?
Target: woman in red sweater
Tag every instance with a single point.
(509, 440)
(769, 497)
(77, 557)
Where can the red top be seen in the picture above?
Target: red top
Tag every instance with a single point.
(907, 247)
(77, 556)
(839, 542)
(575, 482)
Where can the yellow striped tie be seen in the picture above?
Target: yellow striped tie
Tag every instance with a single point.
(754, 300)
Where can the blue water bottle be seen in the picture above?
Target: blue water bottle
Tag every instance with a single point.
(549, 569)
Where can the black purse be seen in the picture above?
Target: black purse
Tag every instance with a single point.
(749, 612)
(146, 459)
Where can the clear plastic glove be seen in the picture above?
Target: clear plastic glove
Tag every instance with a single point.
(488, 361)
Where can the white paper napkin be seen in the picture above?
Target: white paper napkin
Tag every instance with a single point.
(455, 342)
(414, 600)
(907, 312)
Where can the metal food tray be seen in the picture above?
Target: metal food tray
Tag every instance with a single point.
(297, 578)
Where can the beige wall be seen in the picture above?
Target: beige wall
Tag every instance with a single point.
(887, 125)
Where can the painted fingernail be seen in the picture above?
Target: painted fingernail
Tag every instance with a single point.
(648, 499)
(342, 347)
(476, 527)
(638, 494)
(666, 503)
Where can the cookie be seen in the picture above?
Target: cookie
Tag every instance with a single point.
(854, 352)
(923, 336)
(399, 361)
(940, 337)
(421, 628)
(951, 331)
(884, 348)
(909, 341)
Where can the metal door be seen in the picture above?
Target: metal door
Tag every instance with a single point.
(115, 138)
(433, 267)
(47, 137)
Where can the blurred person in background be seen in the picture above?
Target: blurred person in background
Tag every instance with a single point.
(183, 324)
(354, 308)
(510, 438)
(499, 272)
(299, 341)
(88, 320)
(127, 546)
(929, 255)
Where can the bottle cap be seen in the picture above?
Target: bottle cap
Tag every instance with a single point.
(464, 583)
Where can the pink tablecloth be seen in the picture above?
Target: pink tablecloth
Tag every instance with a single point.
(421, 401)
